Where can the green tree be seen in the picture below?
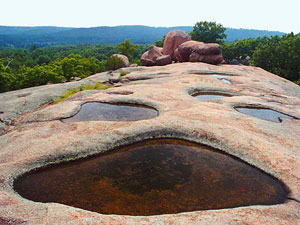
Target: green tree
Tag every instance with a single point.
(280, 55)
(160, 43)
(208, 32)
(114, 63)
(242, 48)
(127, 48)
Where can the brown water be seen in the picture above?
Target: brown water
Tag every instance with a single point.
(208, 96)
(153, 177)
(265, 114)
(94, 111)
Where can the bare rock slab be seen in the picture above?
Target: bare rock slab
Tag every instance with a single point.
(40, 138)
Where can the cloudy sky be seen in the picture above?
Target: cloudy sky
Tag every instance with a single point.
(254, 14)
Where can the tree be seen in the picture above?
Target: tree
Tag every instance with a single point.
(208, 32)
(160, 43)
(280, 55)
(114, 63)
(127, 48)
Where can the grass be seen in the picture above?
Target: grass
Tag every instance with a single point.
(123, 74)
(82, 87)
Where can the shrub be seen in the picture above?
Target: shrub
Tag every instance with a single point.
(114, 63)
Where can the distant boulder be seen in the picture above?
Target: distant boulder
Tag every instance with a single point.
(154, 57)
(195, 51)
(124, 59)
(173, 40)
(240, 61)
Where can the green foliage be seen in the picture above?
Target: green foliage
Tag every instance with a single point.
(280, 55)
(208, 32)
(22, 68)
(160, 43)
(242, 48)
(114, 63)
(82, 87)
(127, 48)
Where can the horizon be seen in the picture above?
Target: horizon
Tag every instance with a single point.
(241, 28)
(257, 15)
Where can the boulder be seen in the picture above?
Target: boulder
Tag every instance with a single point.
(195, 51)
(163, 60)
(173, 40)
(154, 57)
(124, 59)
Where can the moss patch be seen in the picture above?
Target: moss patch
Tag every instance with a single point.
(123, 74)
(82, 87)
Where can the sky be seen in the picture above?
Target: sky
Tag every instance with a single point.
(274, 15)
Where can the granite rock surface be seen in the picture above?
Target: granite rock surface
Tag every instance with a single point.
(33, 135)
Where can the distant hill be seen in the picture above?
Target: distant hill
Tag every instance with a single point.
(45, 36)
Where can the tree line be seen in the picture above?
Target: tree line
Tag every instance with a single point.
(277, 54)
(23, 68)
(34, 66)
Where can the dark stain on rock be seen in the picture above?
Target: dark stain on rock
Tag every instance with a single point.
(23, 95)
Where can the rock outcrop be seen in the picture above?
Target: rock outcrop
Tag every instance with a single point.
(195, 51)
(173, 40)
(36, 136)
(155, 57)
(124, 59)
(179, 47)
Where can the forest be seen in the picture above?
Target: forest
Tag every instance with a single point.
(25, 37)
(34, 66)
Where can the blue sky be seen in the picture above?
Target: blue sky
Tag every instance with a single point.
(254, 14)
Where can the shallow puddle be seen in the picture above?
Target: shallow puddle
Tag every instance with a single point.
(207, 96)
(219, 76)
(226, 81)
(153, 177)
(265, 114)
(95, 111)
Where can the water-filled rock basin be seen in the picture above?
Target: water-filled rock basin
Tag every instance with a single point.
(96, 111)
(153, 177)
(219, 76)
(209, 96)
(263, 113)
(225, 81)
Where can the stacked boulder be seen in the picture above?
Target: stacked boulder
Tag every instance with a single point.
(195, 51)
(154, 57)
(178, 47)
(173, 40)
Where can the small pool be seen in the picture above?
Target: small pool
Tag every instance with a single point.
(96, 111)
(153, 177)
(209, 96)
(263, 113)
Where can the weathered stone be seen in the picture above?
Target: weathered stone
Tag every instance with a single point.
(115, 77)
(154, 57)
(124, 59)
(75, 79)
(173, 40)
(134, 65)
(194, 51)
(163, 60)
(272, 147)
